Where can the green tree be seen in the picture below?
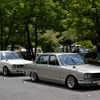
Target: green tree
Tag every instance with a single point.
(49, 41)
(24, 21)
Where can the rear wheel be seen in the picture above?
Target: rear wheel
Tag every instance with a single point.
(5, 71)
(34, 77)
(71, 82)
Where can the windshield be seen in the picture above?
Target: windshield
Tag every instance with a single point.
(72, 59)
(11, 55)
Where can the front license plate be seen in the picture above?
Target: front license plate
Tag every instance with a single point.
(98, 82)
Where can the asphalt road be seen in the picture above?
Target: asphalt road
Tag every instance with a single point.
(20, 87)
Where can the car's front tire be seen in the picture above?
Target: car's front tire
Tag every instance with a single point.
(71, 82)
(34, 77)
(6, 71)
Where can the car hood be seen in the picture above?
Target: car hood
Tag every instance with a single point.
(87, 68)
(18, 61)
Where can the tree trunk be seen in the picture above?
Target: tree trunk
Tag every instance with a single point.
(10, 30)
(97, 25)
(30, 49)
(1, 31)
(97, 20)
(36, 41)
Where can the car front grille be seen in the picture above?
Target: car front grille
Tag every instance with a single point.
(20, 66)
(96, 76)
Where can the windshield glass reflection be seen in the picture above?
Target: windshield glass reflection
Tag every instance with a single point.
(11, 55)
(72, 59)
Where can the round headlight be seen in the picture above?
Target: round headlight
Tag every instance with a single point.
(14, 66)
(87, 75)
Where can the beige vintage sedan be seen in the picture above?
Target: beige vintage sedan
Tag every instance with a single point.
(70, 69)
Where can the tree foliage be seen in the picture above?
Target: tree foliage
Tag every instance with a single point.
(49, 41)
(71, 19)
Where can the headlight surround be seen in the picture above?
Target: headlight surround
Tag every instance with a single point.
(14, 66)
(87, 76)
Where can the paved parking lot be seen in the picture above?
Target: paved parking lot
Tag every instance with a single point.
(18, 87)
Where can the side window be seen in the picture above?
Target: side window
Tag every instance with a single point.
(53, 60)
(43, 59)
(0, 57)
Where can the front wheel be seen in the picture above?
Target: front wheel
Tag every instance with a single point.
(5, 71)
(71, 82)
(34, 77)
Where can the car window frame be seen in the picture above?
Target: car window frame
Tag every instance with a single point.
(37, 62)
(56, 61)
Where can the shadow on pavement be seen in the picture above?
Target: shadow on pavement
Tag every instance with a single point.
(13, 75)
(54, 85)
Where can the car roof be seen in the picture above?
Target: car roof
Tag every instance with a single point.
(56, 53)
(6, 51)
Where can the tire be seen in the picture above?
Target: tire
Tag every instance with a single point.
(71, 82)
(34, 77)
(5, 71)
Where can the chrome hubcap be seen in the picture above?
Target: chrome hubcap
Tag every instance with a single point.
(33, 76)
(71, 82)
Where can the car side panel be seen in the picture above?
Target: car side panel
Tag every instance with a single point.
(69, 70)
(53, 73)
(2, 64)
(41, 70)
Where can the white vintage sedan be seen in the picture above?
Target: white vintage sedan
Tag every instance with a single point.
(12, 62)
(70, 69)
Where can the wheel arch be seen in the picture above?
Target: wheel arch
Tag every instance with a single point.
(70, 75)
(32, 72)
(5, 66)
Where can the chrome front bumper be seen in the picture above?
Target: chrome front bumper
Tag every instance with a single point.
(89, 83)
(17, 71)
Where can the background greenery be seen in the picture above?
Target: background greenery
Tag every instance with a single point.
(49, 23)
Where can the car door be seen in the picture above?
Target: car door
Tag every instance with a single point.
(53, 72)
(42, 65)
